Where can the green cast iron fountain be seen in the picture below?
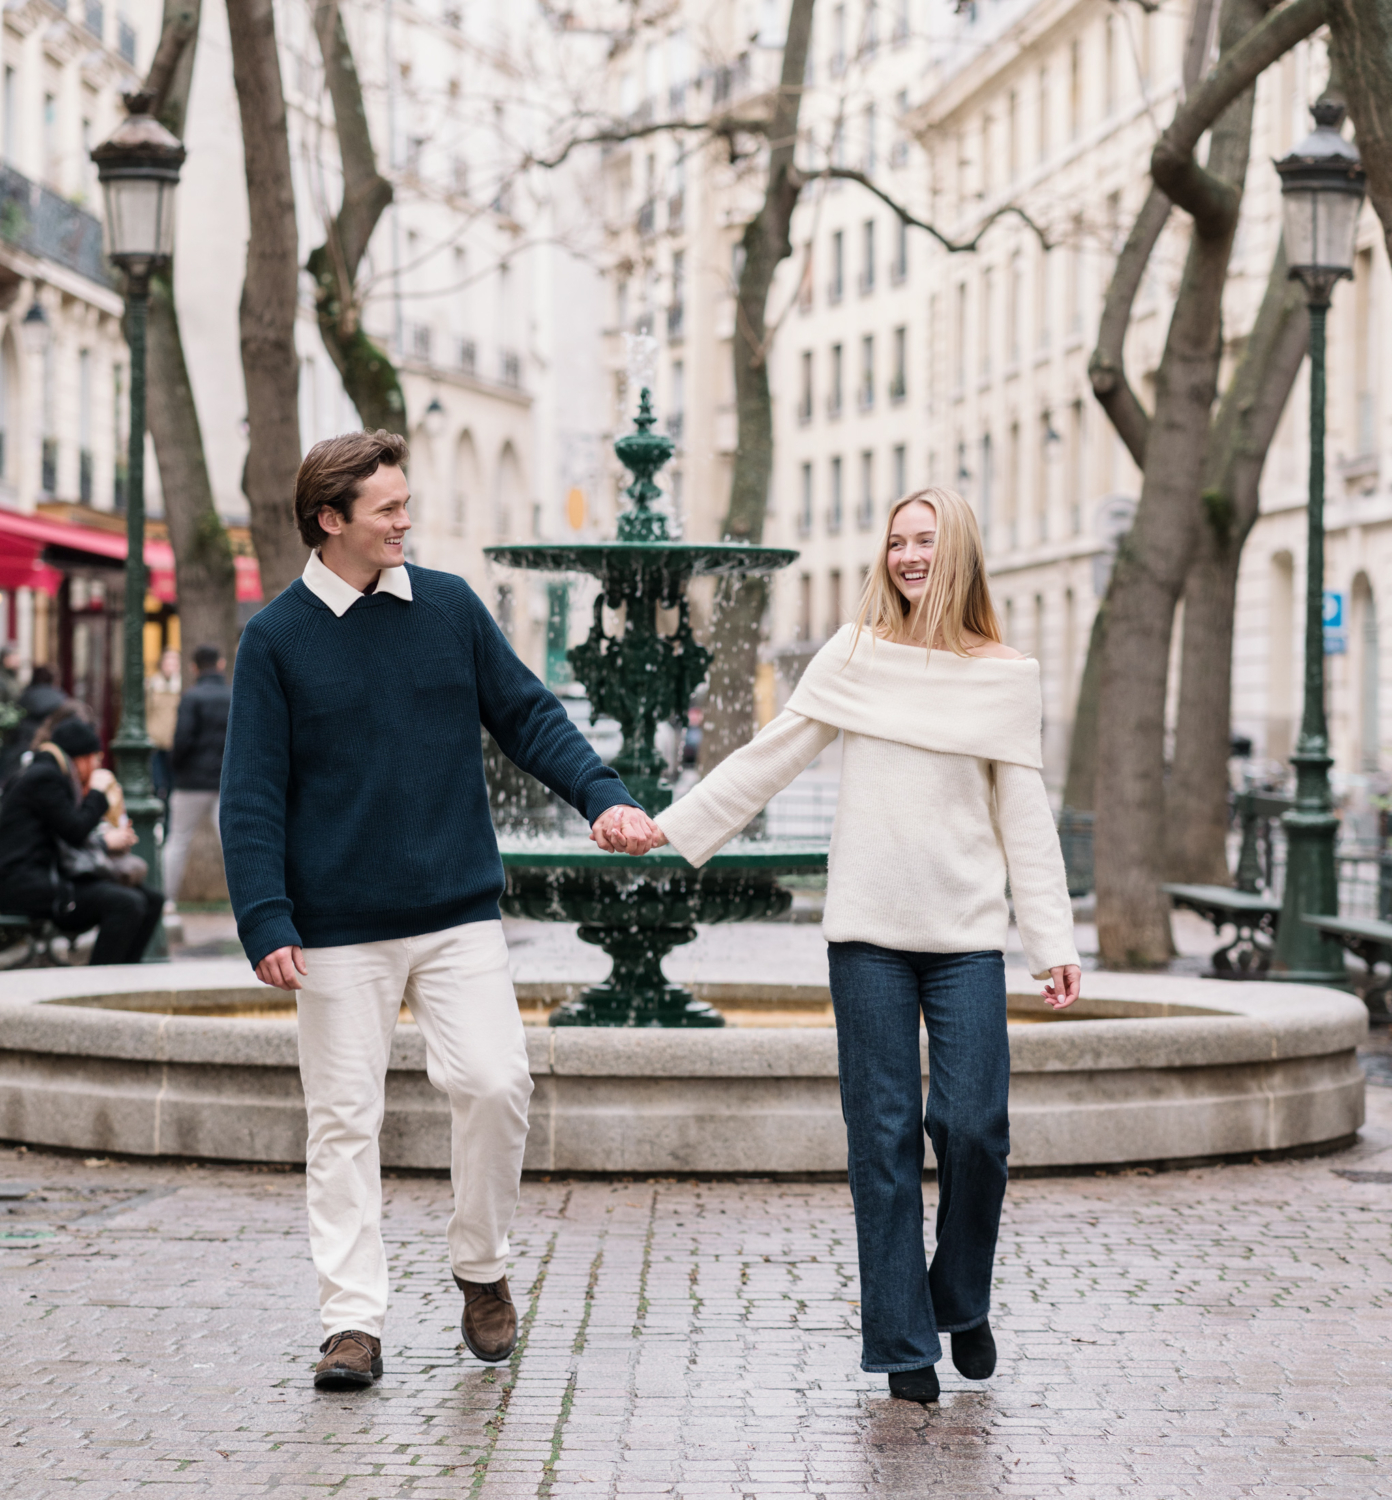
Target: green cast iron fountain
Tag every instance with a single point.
(638, 910)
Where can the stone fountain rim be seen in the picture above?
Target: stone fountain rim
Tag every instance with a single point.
(1255, 1022)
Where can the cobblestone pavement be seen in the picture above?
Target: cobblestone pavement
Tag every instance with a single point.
(1217, 1332)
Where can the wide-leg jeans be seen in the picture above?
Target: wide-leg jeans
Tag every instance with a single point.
(459, 990)
(878, 995)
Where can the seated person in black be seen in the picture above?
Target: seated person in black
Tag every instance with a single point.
(52, 800)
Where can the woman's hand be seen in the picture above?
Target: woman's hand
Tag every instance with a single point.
(625, 830)
(1064, 986)
(118, 840)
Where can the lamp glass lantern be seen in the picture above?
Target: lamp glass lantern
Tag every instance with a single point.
(1322, 187)
(138, 167)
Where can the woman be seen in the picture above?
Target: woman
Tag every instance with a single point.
(48, 814)
(941, 798)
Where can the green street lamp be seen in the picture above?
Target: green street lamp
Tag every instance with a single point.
(1322, 185)
(138, 168)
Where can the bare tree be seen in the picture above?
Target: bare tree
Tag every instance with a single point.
(740, 603)
(368, 374)
(270, 364)
(203, 569)
(1182, 451)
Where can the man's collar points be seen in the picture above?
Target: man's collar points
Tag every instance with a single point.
(340, 595)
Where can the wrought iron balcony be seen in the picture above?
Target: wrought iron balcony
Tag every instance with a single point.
(44, 224)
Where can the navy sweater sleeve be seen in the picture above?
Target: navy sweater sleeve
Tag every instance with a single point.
(252, 805)
(531, 726)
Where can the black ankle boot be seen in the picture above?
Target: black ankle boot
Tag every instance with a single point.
(914, 1385)
(974, 1352)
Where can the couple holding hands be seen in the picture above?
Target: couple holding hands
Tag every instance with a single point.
(364, 872)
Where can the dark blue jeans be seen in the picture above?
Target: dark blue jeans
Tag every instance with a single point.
(878, 994)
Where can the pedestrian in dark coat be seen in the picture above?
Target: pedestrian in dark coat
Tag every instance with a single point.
(199, 737)
(50, 804)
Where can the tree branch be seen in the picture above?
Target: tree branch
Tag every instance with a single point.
(850, 174)
(617, 135)
(1107, 367)
(179, 30)
(1232, 75)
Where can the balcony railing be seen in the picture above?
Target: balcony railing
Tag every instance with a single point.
(866, 395)
(44, 224)
(866, 281)
(467, 356)
(833, 520)
(834, 404)
(865, 514)
(675, 423)
(804, 410)
(898, 387)
(836, 289)
(511, 369)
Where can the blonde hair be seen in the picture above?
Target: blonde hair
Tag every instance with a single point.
(957, 600)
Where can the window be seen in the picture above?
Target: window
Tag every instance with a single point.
(834, 508)
(899, 266)
(867, 372)
(1365, 354)
(804, 628)
(836, 287)
(988, 309)
(959, 351)
(84, 426)
(1017, 293)
(1042, 262)
(899, 380)
(1075, 88)
(1012, 489)
(676, 405)
(804, 517)
(11, 104)
(50, 139)
(1109, 62)
(1048, 444)
(900, 461)
(872, 27)
(865, 510)
(901, 22)
(838, 43)
(987, 488)
(1042, 124)
(1077, 479)
(833, 601)
(1075, 280)
(870, 158)
(1012, 134)
(867, 257)
(834, 394)
(988, 155)
(899, 151)
(932, 351)
(120, 413)
(805, 399)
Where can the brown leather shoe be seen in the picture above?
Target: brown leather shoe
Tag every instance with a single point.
(352, 1360)
(489, 1324)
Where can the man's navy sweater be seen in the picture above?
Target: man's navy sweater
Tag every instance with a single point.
(354, 806)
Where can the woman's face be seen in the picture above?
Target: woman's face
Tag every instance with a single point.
(169, 663)
(911, 537)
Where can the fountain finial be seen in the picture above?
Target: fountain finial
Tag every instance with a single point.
(643, 453)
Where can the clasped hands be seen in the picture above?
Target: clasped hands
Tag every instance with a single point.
(626, 830)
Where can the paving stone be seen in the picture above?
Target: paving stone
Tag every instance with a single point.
(1220, 1332)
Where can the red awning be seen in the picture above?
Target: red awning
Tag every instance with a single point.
(22, 565)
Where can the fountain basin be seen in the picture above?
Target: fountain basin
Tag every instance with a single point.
(1157, 1069)
(638, 910)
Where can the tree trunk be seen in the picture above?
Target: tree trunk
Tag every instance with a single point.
(1080, 785)
(1197, 802)
(740, 604)
(368, 375)
(1360, 48)
(203, 571)
(270, 364)
(203, 568)
(1133, 925)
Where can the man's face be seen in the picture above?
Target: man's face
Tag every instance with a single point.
(373, 537)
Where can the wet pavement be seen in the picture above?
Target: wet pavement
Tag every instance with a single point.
(1219, 1332)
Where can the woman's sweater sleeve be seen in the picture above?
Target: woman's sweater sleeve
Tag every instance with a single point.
(1038, 885)
(723, 802)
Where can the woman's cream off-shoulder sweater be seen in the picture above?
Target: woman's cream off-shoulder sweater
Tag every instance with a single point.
(941, 795)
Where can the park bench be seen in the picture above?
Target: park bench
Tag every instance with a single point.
(1370, 939)
(1245, 907)
(36, 934)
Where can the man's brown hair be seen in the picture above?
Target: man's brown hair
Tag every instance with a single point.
(332, 474)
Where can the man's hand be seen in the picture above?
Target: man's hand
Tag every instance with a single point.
(1064, 986)
(626, 830)
(279, 968)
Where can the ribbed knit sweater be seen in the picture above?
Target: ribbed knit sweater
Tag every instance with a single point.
(354, 806)
(941, 796)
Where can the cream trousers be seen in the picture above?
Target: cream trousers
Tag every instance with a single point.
(459, 991)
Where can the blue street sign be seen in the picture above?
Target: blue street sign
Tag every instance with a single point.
(1335, 630)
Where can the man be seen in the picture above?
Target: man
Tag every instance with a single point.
(363, 870)
(200, 733)
(53, 801)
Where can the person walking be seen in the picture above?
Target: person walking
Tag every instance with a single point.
(200, 735)
(364, 871)
(47, 817)
(941, 800)
(163, 690)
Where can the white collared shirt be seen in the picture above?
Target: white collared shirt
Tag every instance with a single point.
(340, 595)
